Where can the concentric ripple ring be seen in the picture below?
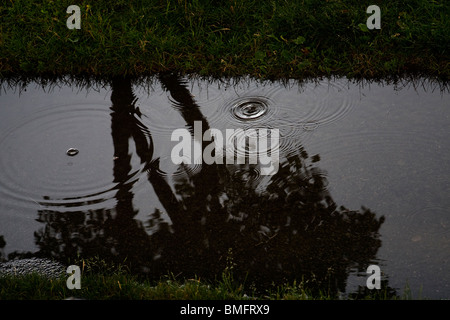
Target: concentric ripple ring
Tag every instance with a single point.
(249, 109)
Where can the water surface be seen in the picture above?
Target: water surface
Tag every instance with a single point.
(363, 179)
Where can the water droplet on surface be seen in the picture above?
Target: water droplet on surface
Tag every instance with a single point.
(250, 109)
(72, 152)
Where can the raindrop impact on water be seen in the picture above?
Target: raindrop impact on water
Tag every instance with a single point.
(72, 152)
(250, 109)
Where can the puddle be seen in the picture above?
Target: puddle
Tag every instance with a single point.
(354, 175)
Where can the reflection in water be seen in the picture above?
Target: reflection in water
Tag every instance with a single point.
(273, 231)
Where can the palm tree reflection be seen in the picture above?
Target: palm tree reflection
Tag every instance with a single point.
(290, 230)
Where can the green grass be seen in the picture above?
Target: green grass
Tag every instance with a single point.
(102, 287)
(108, 281)
(123, 286)
(127, 287)
(268, 39)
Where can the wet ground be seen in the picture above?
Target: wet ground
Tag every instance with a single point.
(359, 175)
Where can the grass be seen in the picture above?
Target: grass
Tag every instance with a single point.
(266, 39)
(128, 287)
(98, 286)
(103, 281)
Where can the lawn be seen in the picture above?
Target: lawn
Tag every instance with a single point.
(265, 39)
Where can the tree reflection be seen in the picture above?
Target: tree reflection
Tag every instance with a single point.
(290, 229)
(108, 233)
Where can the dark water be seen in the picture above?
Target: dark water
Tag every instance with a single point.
(363, 179)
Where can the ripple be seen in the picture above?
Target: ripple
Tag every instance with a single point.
(250, 174)
(159, 115)
(310, 125)
(167, 168)
(246, 146)
(40, 165)
(313, 105)
(71, 152)
(432, 219)
(249, 109)
(297, 110)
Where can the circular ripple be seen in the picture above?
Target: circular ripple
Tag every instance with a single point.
(429, 220)
(35, 166)
(249, 109)
(159, 115)
(249, 144)
(167, 168)
(313, 105)
(71, 152)
(297, 110)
